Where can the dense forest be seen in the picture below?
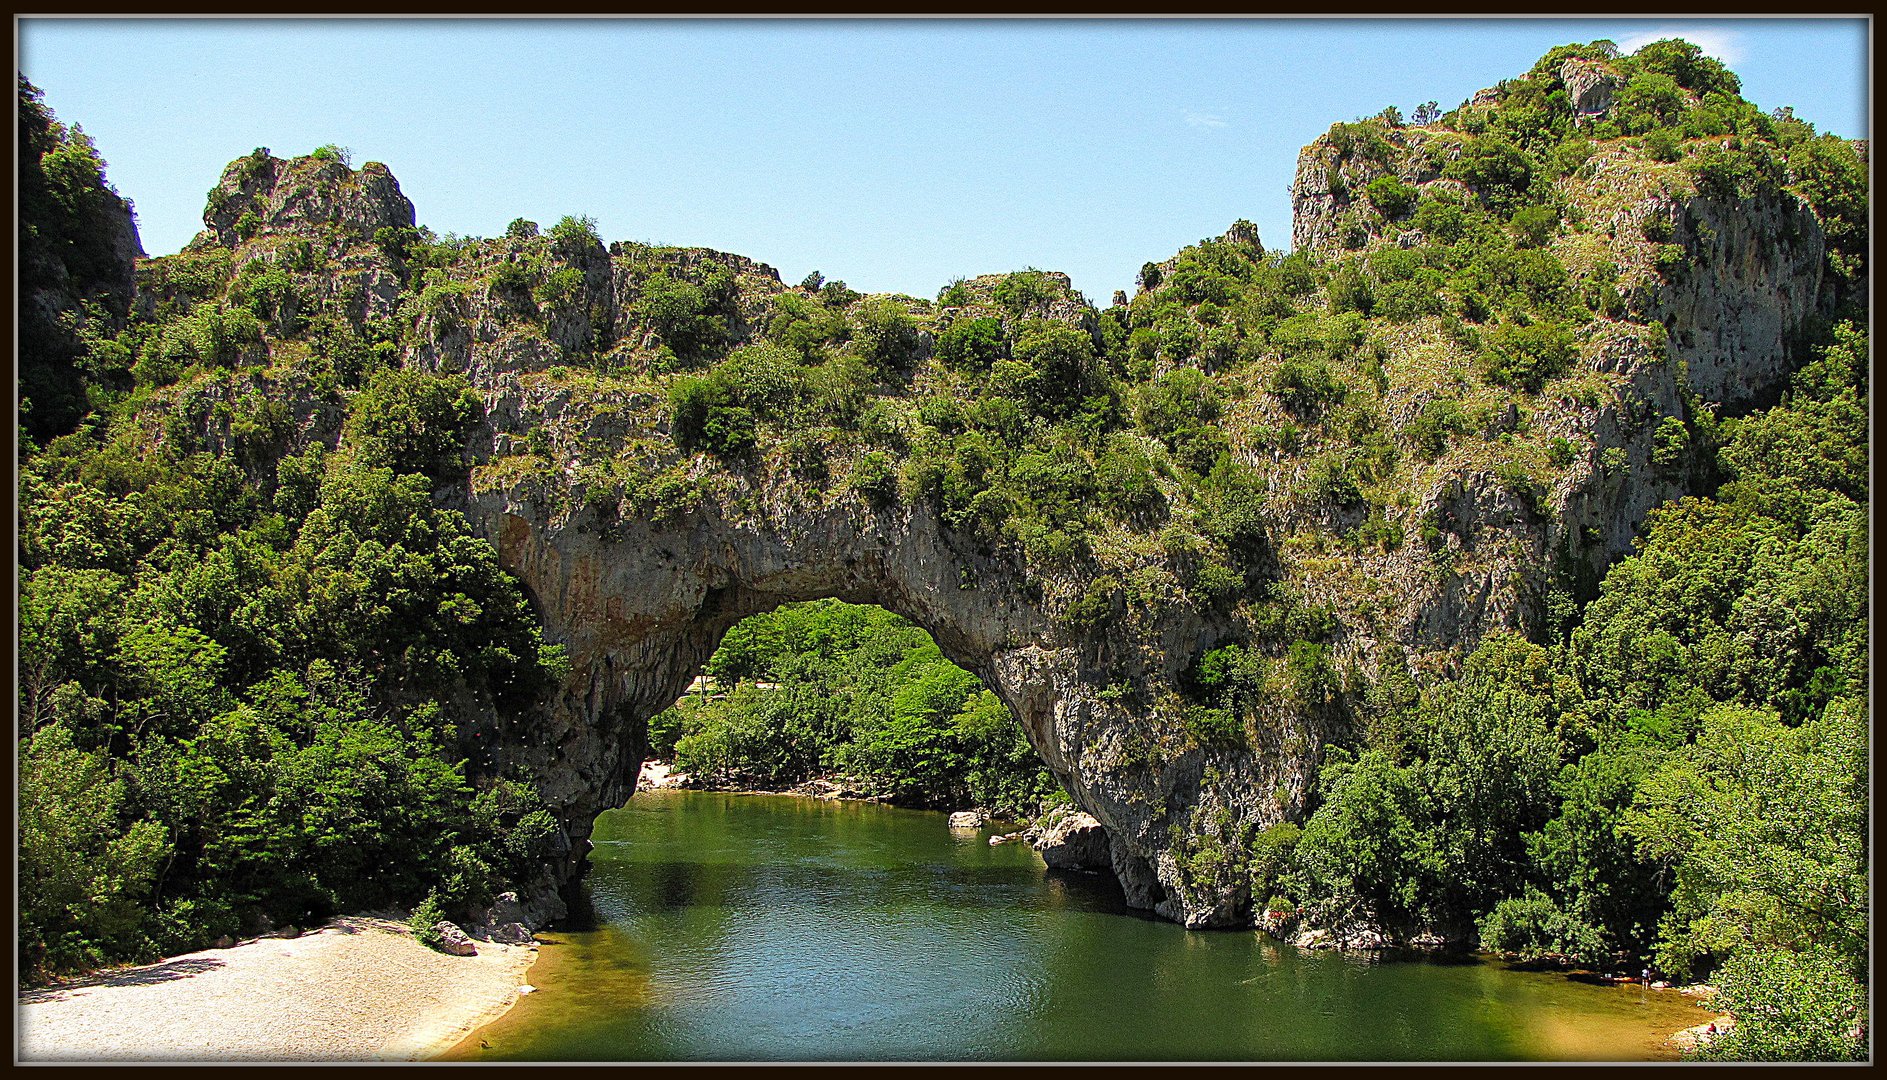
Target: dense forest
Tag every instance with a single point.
(258, 654)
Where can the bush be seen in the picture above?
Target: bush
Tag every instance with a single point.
(1053, 370)
(684, 315)
(1390, 196)
(707, 414)
(1662, 144)
(1526, 357)
(1025, 293)
(425, 919)
(414, 422)
(572, 236)
(82, 875)
(971, 343)
(874, 477)
(1670, 443)
(886, 338)
(1533, 926)
(1496, 169)
(1534, 225)
(1306, 385)
(1181, 409)
(1441, 219)
(1790, 1006)
(1439, 421)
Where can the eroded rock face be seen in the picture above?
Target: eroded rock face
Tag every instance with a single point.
(1591, 86)
(642, 600)
(641, 592)
(643, 611)
(453, 941)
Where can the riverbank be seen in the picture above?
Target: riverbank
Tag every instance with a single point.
(358, 989)
(660, 776)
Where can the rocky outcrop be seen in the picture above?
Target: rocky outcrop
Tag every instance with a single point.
(642, 598)
(505, 921)
(638, 557)
(319, 196)
(1071, 840)
(642, 610)
(1591, 86)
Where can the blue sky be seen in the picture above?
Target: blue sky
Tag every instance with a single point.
(893, 155)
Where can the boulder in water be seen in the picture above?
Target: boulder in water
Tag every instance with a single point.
(1072, 840)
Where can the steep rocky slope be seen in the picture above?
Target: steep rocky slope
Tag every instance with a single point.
(673, 439)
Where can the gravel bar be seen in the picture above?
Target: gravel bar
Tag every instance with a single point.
(358, 989)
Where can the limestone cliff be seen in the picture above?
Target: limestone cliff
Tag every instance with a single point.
(639, 552)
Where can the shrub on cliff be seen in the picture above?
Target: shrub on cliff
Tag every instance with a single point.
(413, 422)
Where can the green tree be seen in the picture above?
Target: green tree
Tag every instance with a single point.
(82, 874)
(413, 422)
(1765, 827)
(1790, 1006)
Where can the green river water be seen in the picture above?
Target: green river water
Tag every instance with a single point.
(756, 927)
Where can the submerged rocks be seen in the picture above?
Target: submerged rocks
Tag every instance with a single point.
(1072, 840)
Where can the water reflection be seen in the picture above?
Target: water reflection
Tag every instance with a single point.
(746, 928)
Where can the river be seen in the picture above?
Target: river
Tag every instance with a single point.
(756, 927)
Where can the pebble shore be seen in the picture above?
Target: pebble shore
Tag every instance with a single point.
(358, 989)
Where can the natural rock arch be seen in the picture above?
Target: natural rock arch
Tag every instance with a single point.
(1094, 643)
(642, 610)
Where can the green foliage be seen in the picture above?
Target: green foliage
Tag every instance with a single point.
(689, 318)
(718, 412)
(886, 337)
(1307, 385)
(1790, 1006)
(1432, 841)
(1053, 370)
(1391, 197)
(82, 876)
(574, 236)
(1182, 409)
(332, 152)
(971, 343)
(414, 422)
(826, 687)
(1025, 293)
(1669, 443)
(1496, 169)
(1533, 926)
(257, 685)
(1439, 421)
(1526, 357)
(1766, 827)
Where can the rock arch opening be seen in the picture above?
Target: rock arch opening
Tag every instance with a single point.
(849, 699)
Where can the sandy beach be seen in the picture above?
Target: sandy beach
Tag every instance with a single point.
(358, 989)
